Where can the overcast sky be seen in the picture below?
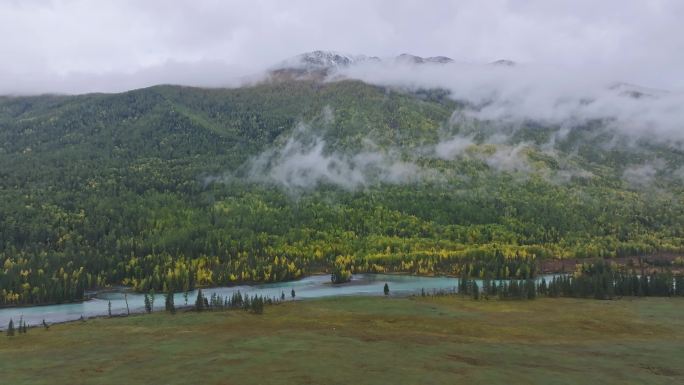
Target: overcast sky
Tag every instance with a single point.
(84, 45)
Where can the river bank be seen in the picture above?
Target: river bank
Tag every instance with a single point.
(310, 287)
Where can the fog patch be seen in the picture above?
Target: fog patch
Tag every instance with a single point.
(643, 175)
(678, 174)
(455, 146)
(547, 95)
(305, 161)
(508, 158)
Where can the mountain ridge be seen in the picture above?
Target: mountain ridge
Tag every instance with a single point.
(213, 185)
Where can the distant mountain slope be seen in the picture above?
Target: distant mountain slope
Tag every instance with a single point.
(169, 187)
(318, 64)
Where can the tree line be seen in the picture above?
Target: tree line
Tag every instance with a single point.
(602, 280)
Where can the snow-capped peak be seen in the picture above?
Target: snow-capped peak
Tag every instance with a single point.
(318, 60)
(413, 59)
(324, 62)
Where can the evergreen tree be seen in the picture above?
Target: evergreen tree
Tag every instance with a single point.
(531, 289)
(199, 302)
(170, 306)
(292, 293)
(386, 289)
(10, 328)
(476, 290)
(543, 287)
(148, 304)
(679, 285)
(236, 300)
(282, 296)
(258, 305)
(128, 310)
(109, 309)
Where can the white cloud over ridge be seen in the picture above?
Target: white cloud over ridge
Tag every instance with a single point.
(75, 46)
(546, 95)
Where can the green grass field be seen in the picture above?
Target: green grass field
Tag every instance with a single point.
(447, 340)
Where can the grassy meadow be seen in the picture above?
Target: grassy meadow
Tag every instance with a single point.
(365, 340)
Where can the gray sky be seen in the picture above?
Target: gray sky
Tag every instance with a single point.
(84, 45)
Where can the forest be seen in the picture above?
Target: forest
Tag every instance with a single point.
(157, 189)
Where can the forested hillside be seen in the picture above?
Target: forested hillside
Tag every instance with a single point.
(170, 188)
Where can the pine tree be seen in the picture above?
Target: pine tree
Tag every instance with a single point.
(10, 328)
(148, 304)
(170, 306)
(236, 302)
(109, 308)
(152, 299)
(292, 293)
(542, 287)
(257, 305)
(531, 289)
(679, 285)
(128, 310)
(386, 289)
(199, 302)
(282, 296)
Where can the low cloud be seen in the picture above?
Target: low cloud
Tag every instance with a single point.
(645, 174)
(452, 147)
(306, 161)
(640, 175)
(199, 74)
(514, 95)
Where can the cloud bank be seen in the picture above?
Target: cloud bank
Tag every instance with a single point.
(304, 162)
(556, 96)
(75, 46)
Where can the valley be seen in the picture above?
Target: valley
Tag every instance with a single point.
(173, 188)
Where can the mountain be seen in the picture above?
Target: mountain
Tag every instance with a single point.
(504, 62)
(317, 63)
(413, 59)
(635, 91)
(325, 59)
(323, 63)
(179, 187)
